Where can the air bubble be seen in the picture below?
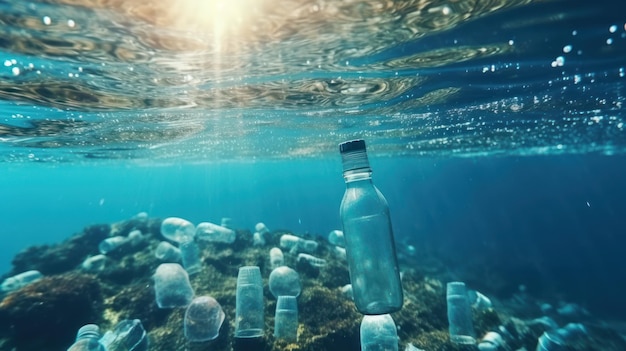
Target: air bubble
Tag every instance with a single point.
(47, 20)
(558, 62)
(613, 29)
(567, 49)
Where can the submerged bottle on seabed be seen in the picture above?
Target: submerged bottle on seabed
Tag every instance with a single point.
(368, 235)
(87, 339)
(461, 325)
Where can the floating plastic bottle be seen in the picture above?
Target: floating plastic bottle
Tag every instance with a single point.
(461, 326)
(94, 263)
(286, 319)
(277, 258)
(190, 254)
(369, 238)
(215, 233)
(19, 281)
(378, 333)
(336, 238)
(110, 244)
(177, 229)
(172, 286)
(284, 281)
(203, 319)
(128, 335)
(249, 310)
(87, 339)
(167, 252)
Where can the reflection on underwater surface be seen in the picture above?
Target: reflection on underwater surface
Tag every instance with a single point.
(136, 80)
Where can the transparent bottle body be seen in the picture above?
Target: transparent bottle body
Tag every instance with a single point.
(370, 247)
(460, 321)
(87, 345)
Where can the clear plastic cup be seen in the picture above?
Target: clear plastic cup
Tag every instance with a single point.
(249, 310)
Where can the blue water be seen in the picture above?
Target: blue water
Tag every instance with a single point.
(554, 224)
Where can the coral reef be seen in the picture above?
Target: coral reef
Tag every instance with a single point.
(46, 314)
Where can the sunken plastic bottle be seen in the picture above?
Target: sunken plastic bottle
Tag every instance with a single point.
(87, 339)
(370, 246)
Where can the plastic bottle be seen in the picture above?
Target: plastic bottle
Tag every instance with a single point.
(286, 319)
(335, 237)
(167, 252)
(561, 339)
(478, 300)
(87, 339)
(261, 228)
(203, 319)
(128, 335)
(172, 286)
(19, 281)
(95, 263)
(135, 237)
(258, 238)
(227, 222)
(177, 229)
(492, 341)
(370, 246)
(109, 244)
(378, 333)
(311, 260)
(249, 308)
(460, 321)
(284, 281)
(277, 258)
(190, 255)
(296, 244)
(215, 233)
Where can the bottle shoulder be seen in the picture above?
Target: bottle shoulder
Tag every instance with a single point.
(364, 200)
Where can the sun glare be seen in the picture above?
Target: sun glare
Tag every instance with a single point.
(220, 21)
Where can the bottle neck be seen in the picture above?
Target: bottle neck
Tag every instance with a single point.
(351, 176)
(89, 331)
(356, 166)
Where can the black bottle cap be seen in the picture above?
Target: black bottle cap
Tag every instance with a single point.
(352, 145)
